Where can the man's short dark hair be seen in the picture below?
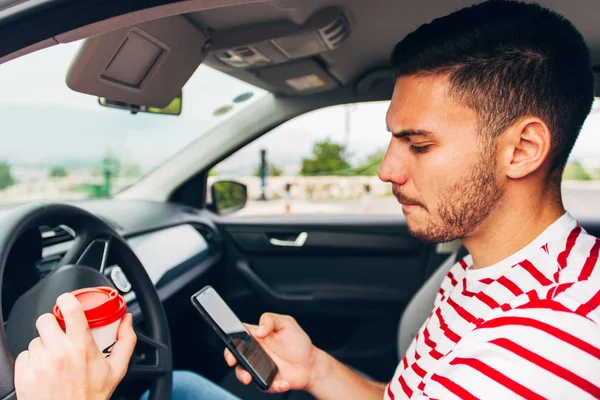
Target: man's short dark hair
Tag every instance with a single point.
(506, 60)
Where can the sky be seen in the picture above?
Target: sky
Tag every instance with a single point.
(44, 123)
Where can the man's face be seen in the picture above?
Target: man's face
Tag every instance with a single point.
(440, 171)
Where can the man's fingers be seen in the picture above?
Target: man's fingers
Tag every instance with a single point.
(279, 386)
(75, 321)
(36, 345)
(251, 328)
(229, 358)
(36, 351)
(243, 375)
(22, 363)
(270, 323)
(123, 348)
(267, 324)
(49, 329)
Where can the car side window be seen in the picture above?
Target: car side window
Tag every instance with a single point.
(321, 163)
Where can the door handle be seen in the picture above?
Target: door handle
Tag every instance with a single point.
(298, 242)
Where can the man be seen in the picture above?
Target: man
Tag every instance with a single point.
(487, 105)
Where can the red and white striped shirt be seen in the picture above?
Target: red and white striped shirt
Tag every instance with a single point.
(526, 327)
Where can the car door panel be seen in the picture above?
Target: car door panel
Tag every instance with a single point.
(347, 285)
(264, 238)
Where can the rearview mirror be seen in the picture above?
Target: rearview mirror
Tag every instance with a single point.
(174, 108)
(228, 196)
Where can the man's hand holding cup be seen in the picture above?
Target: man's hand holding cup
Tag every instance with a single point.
(69, 364)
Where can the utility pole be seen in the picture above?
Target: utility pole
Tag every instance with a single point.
(263, 174)
(348, 109)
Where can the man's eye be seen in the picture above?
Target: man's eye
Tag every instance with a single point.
(419, 149)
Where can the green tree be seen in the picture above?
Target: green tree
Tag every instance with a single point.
(57, 172)
(272, 170)
(574, 171)
(370, 166)
(327, 157)
(6, 178)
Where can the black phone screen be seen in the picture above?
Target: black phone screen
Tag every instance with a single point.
(236, 333)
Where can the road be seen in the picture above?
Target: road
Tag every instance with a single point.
(581, 199)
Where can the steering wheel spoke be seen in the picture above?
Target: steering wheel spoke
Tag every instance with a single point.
(96, 253)
(89, 252)
(150, 359)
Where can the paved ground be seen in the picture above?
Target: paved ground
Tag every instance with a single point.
(581, 199)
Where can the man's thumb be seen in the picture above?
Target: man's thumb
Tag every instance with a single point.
(266, 325)
(124, 346)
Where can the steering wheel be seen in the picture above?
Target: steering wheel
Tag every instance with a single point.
(154, 360)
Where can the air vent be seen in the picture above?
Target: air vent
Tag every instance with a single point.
(335, 32)
(314, 41)
(207, 233)
(55, 235)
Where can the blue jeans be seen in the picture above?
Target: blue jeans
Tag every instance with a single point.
(190, 386)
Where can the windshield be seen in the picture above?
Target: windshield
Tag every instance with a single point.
(58, 144)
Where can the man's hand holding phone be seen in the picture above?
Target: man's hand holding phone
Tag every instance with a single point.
(289, 347)
(279, 354)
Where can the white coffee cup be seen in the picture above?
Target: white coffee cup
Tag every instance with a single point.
(104, 308)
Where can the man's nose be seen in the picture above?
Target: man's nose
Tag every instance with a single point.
(392, 168)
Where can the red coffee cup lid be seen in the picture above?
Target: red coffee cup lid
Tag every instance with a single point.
(102, 306)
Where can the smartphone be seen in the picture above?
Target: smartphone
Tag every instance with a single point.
(235, 336)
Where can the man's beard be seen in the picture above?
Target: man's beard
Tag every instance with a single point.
(464, 205)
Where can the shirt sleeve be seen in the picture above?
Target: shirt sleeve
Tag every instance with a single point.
(531, 353)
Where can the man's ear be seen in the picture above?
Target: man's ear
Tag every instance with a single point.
(525, 147)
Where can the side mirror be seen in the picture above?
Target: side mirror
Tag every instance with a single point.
(228, 196)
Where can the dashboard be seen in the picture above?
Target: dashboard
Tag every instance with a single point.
(165, 250)
(175, 243)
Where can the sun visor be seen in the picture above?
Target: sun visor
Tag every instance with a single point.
(297, 78)
(146, 64)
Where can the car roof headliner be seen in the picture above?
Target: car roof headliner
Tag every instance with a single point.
(377, 25)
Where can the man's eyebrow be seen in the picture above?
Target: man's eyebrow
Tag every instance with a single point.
(410, 132)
